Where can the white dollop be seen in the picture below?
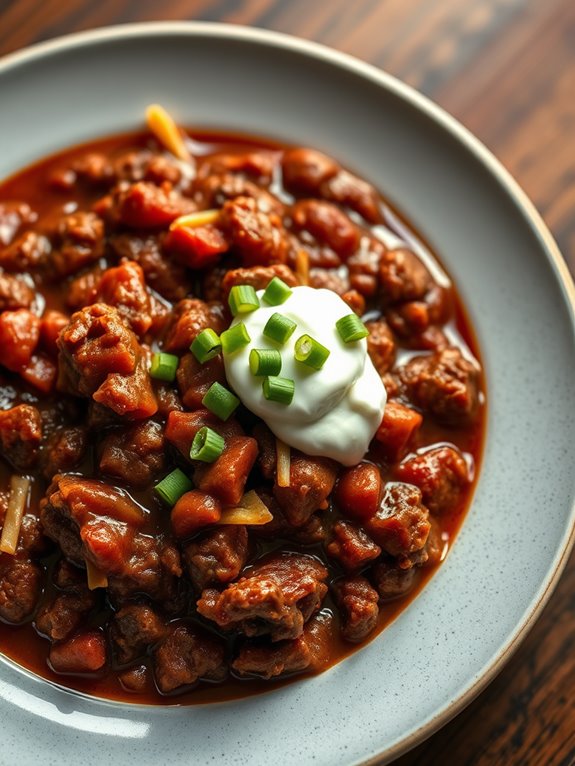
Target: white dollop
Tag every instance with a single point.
(335, 411)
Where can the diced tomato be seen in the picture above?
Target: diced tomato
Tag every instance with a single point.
(198, 247)
(41, 373)
(19, 335)
(193, 511)
(358, 491)
(397, 427)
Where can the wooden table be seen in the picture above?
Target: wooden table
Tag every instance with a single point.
(506, 69)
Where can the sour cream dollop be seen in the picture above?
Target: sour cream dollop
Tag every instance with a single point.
(335, 411)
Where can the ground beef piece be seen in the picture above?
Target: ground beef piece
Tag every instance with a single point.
(444, 383)
(20, 587)
(327, 224)
(78, 242)
(144, 205)
(15, 293)
(14, 215)
(305, 170)
(19, 336)
(310, 651)
(226, 477)
(351, 546)
(328, 278)
(357, 604)
(440, 473)
(27, 253)
(276, 597)
(189, 317)
(64, 450)
(187, 655)
(181, 428)
(214, 190)
(402, 276)
(145, 165)
(124, 287)
(363, 266)
(256, 165)
(311, 482)
(135, 679)
(20, 435)
(83, 289)
(194, 379)
(258, 277)
(401, 524)
(133, 629)
(313, 531)
(217, 556)
(84, 652)
(135, 455)
(63, 615)
(259, 238)
(380, 346)
(100, 357)
(68, 577)
(32, 538)
(355, 301)
(414, 320)
(391, 580)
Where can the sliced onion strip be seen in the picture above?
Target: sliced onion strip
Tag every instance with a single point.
(166, 131)
(283, 459)
(194, 220)
(250, 510)
(302, 266)
(19, 488)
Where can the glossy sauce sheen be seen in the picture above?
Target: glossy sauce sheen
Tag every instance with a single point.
(21, 643)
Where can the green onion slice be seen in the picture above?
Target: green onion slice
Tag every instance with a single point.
(279, 328)
(278, 389)
(235, 338)
(243, 299)
(277, 292)
(164, 366)
(206, 345)
(265, 361)
(220, 401)
(207, 445)
(351, 328)
(173, 486)
(311, 352)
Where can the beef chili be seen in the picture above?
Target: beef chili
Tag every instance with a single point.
(162, 539)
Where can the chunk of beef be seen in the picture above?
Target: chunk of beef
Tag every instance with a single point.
(194, 379)
(416, 320)
(276, 597)
(363, 266)
(214, 190)
(197, 247)
(84, 652)
(83, 289)
(397, 428)
(147, 165)
(311, 482)
(355, 301)
(328, 277)
(310, 651)
(78, 242)
(51, 325)
(327, 224)
(441, 474)
(258, 237)
(135, 455)
(133, 629)
(14, 215)
(305, 170)
(403, 276)
(391, 580)
(217, 556)
(19, 336)
(15, 293)
(357, 604)
(401, 524)
(258, 165)
(258, 277)
(124, 287)
(135, 679)
(187, 655)
(181, 428)
(100, 357)
(351, 546)
(64, 450)
(226, 477)
(25, 254)
(189, 318)
(20, 587)
(143, 205)
(20, 435)
(59, 618)
(380, 346)
(444, 383)
(168, 399)
(69, 578)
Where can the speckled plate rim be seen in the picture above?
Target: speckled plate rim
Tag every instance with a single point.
(472, 145)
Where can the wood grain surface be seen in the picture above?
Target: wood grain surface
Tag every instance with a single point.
(506, 70)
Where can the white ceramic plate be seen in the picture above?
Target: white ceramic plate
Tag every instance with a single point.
(456, 635)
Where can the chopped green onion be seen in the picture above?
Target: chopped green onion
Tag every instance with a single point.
(207, 445)
(278, 389)
(220, 401)
(276, 292)
(265, 361)
(279, 328)
(173, 486)
(206, 345)
(351, 328)
(235, 338)
(311, 352)
(243, 299)
(164, 366)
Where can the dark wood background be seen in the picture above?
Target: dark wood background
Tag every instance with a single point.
(506, 70)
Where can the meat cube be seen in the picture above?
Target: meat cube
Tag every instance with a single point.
(83, 289)
(197, 247)
(63, 615)
(380, 346)
(20, 435)
(446, 384)
(84, 652)
(135, 455)
(214, 190)
(133, 629)
(441, 474)
(135, 679)
(397, 428)
(143, 205)
(226, 477)
(357, 604)
(124, 287)
(258, 277)
(391, 580)
(187, 655)
(305, 170)
(51, 324)
(217, 556)
(402, 276)
(401, 524)
(258, 165)
(363, 266)
(351, 546)
(275, 597)
(15, 293)
(64, 450)
(194, 379)
(355, 301)
(189, 318)
(20, 587)
(327, 224)
(14, 215)
(310, 651)
(26, 253)
(100, 357)
(353, 192)
(79, 242)
(259, 238)
(311, 482)
(19, 335)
